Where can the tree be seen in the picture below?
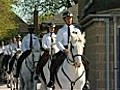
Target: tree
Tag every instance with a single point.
(46, 8)
(7, 23)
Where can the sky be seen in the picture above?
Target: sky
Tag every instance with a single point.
(17, 11)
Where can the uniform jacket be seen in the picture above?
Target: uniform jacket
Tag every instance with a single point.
(26, 43)
(46, 41)
(62, 36)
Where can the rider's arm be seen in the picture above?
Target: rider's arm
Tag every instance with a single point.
(44, 42)
(59, 40)
(36, 45)
(23, 44)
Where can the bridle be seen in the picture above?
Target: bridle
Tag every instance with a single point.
(72, 61)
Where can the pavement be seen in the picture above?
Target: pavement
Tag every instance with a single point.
(3, 86)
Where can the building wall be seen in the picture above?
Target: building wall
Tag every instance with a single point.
(81, 4)
(95, 51)
(95, 48)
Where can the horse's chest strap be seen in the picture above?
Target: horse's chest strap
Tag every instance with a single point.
(72, 82)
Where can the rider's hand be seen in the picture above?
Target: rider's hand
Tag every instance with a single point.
(47, 49)
(66, 51)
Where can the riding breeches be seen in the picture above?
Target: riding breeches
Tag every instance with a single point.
(43, 60)
(5, 61)
(56, 63)
(21, 59)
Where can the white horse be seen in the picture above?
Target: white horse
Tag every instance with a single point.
(13, 80)
(71, 75)
(28, 67)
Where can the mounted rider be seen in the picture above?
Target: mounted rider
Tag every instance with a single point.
(30, 42)
(49, 44)
(16, 45)
(62, 41)
(7, 51)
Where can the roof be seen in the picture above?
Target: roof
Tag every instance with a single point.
(100, 5)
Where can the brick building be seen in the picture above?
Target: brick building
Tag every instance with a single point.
(100, 19)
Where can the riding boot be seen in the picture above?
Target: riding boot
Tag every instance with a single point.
(11, 64)
(55, 64)
(5, 61)
(20, 60)
(42, 62)
(38, 69)
(51, 82)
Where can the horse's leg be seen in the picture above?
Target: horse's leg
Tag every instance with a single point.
(8, 80)
(27, 85)
(35, 85)
(43, 86)
(11, 82)
(16, 80)
(22, 84)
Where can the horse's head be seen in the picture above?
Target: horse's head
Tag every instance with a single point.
(34, 58)
(76, 48)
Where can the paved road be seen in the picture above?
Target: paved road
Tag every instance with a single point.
(4, 86)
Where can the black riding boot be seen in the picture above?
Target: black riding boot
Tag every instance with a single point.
(42, 62)
(55, 64)
(11, 64)
(52, 71)
(20, 60)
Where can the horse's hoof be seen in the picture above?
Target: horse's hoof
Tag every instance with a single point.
(8, 86)
(87, 86)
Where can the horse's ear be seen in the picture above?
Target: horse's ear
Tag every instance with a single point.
(83, 34)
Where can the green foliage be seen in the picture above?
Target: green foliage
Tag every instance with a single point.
(46, 8)
(7, 23)
(45, 17)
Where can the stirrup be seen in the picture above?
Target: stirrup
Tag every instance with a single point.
(36, 77)
(8, 72)
(16, 76)
(50, 84)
